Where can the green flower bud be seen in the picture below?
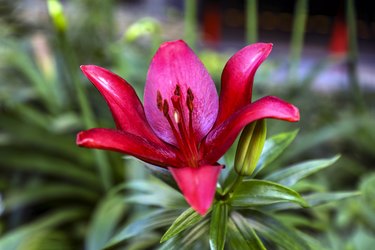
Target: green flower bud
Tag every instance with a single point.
(143, 27)
(55, 10)
(250, 147)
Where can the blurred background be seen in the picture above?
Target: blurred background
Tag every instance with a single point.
(54, 195)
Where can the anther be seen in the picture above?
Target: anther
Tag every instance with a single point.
(190, 94)
(177, 90)
(165, 108)
(159, 101)
(189, 100)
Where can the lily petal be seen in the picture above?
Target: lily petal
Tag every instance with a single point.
(176, 64)
(121, 141)
(126, 108)
(238, 76)
(198, 185)
(222, 136)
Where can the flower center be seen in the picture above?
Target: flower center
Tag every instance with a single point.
(180, 123)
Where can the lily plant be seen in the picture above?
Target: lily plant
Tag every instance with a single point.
(183, 124)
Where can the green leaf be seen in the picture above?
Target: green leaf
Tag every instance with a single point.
(46, 164)
(299, 221)
(274, 231)
(291, 175)
(155, 193)
(313, 200)
(143, 241)
(39, 138)
(13, 239)
(367, 188)
(327, 133)
(321, 198)
(104, 221)
(218, 226)
(33, 116)
(273, 147)
(162, 174)
(150, 221)
(241, 235)
(31, 195)
(193, 238)
(313, 242)
(258, 192)
(46, 240)
(184, 221)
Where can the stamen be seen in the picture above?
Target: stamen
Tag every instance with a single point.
(190, 94)
(183, 132)
(159, 101)
(177, 90)
(165, 108)
(189, 100)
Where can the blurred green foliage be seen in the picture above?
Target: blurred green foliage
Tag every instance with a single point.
(55, 195)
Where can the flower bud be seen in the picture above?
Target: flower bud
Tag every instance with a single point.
(250, 147)
(55, 10)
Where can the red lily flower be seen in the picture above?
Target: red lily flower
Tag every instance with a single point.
(183, 126)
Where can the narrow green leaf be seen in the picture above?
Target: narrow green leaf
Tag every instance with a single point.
(196, 237)
(13, 239)
(31, 195)
(273, 147)
(33, 116)
(258, 192)
(184, 221)
(313, 200)
(150, 221)
(274, 231)
(241, 235)
(291, 175)
(162, 174)
(321, 198)
(299, 221)
(46, 240)
(36, 137)
(156, 193)
(143, 241)
(313, 242)
(104, 221)
(46, 164)
(21, 60)
(218, 226)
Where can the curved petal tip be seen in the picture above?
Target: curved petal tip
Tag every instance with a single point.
(82, 140)
(88, 68)
(296, 115)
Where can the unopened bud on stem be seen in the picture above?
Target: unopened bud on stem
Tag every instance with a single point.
(250, 147)
(55, 10)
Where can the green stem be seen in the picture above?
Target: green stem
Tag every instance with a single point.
(191, 22)
(299, 22)
(87, 113)
(353, 56)
(228, 192)
(70, 62)
(251, 21)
